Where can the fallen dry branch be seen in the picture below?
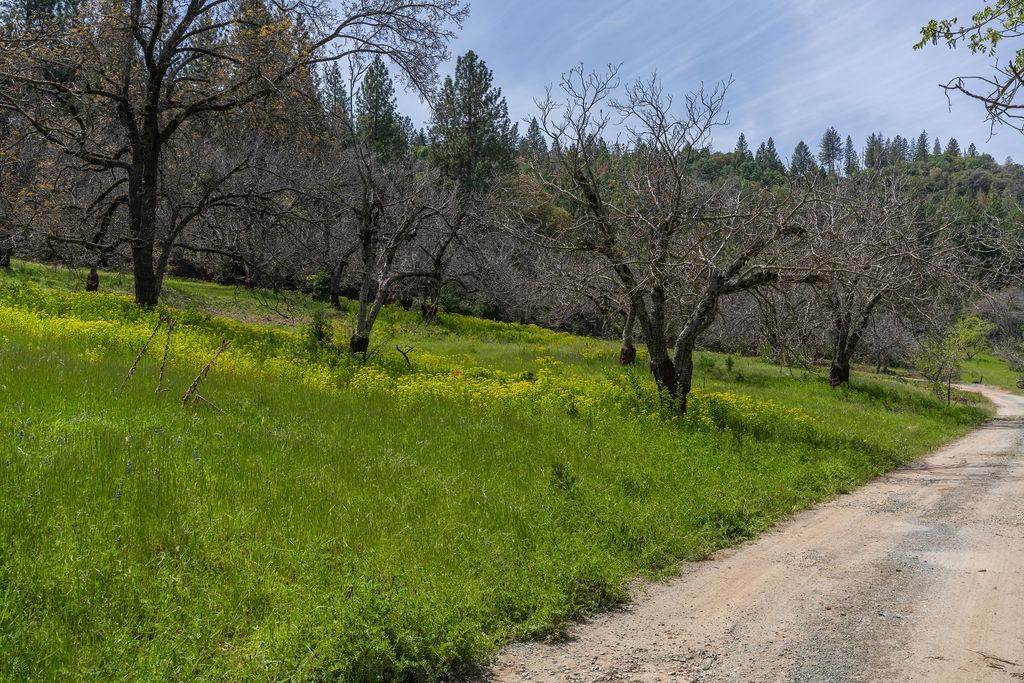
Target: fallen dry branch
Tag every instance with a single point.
(163, 362)
(200, 397)
(191, 395)
(142, 352)
(405, 354)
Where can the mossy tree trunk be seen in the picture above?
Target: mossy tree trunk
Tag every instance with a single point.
(92, 280)
(627, 354)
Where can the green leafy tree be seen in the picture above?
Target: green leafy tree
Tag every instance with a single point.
(473, 139)
(970, 333)
(953, 148)
(993, 31)
(940, 360)
(831, 150)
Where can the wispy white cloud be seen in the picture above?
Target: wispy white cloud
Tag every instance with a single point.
(800, 65)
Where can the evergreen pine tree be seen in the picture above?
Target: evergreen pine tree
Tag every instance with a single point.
(303, 108)
(378, 123)
(772, 156)
(742, 151)
(768, 157)
(921, 149)
(535, 144)
(803, 164)
(937, 148)
(599, 147)
(874, 151)
(408, 129)
(899, 151)
(831, 150)
(972, 151)
(38, 11)
(952, 148)
(850, 157)
(334, 96)
(473, 139)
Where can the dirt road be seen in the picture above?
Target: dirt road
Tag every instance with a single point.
(917, 576)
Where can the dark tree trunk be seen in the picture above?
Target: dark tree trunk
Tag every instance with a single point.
(657, 345)
(684, 373)
(428, 310)
(686, 343)
(92, 280)
(847, 332)
(429, 305)
(143, 184)
(627, 354)
(839, 372)
(665, 376)
(5, 257)
(147, 286)
(358, 344)
(845, 339)
(842, 349)
(335, 290)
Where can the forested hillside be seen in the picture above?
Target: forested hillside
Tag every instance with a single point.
(320, 185)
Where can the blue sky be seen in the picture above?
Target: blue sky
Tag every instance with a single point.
(799, 65)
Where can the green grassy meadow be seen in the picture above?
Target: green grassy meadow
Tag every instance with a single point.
(324, 519)
(986, 368)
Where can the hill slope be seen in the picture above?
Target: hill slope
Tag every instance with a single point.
(317, 517)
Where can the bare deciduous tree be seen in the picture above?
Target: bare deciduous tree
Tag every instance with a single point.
(675, 245)
(115, 87)
(391, 203)
(875, 253)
